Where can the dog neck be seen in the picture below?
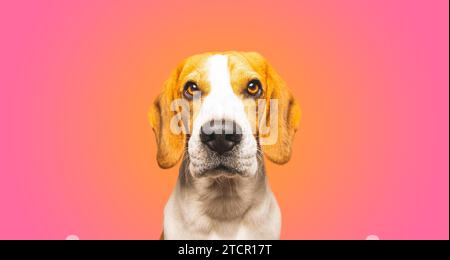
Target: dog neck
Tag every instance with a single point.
(222, 198)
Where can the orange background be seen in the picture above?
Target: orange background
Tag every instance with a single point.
(78, 155)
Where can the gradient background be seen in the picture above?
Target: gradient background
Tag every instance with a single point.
(77, 155)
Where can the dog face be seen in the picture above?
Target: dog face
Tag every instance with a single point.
(223, 115)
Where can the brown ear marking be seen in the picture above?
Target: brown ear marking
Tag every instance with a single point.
(170, 145)
(288, 110)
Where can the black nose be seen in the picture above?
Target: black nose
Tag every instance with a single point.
(221, 135)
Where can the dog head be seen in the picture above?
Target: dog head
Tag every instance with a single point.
(223, 111)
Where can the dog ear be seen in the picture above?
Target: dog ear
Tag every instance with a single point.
(288, 117)
(288, 114)
(170, 145)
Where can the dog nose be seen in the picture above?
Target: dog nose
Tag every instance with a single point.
(221, 136)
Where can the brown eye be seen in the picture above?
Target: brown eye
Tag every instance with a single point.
(189, 89)
(254, 88)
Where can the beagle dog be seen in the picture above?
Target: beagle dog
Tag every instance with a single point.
(202, 118)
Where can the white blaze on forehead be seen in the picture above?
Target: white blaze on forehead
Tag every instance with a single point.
(221, 102)
(219, 74)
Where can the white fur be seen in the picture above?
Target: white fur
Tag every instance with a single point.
(183, 220)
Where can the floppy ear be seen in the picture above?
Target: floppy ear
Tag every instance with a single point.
(170, 145)
(288, 114)
(288, 117)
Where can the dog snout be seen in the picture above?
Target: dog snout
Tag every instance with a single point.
(221, 135)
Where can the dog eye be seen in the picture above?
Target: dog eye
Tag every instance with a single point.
(189, 89)
(254, 88)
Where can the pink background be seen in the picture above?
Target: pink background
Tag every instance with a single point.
(77, 155)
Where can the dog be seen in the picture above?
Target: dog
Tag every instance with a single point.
(222, 190)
